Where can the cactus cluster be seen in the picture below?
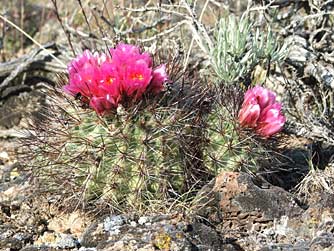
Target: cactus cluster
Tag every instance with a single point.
(130, 141)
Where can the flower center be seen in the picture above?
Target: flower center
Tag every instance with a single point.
(109, 80)
(137, 76)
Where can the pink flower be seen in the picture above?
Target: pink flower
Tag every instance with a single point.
(159, 77)
(83, 75)
(102, 104)
(124, 54)
(261, 112)
(109, 82)
(263, 96)
(138, 76)
(271, 120)
(105, 79)
(249, 114)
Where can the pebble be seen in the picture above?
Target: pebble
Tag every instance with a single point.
(4, 158)
(66, 241)
(111, 222)
(142, 220)
(87, 249)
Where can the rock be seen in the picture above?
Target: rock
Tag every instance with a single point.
(143, 220)
(263, 217)
(323, 242)
(279, 247)
(48, 239)
(4, 158)
(74, 223)
(204, 237)
(245, 202)
(164, 232)
(44, 248)
(93, 235)
(37, 248)
(66, 241)
(113, 222)
(56, 240)
(87, 249)
(14, 193)
(11, 240)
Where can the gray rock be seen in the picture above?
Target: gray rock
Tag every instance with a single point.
(143, 220)
(322, 242)
(93, 235)
(245, 201)
(111, 222)
(279, 247)
(11, 240)
(66, 241)
(87, 249)
(37, 248)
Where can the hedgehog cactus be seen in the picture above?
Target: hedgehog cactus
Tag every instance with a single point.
(136, 161)
(230, 146)
(225, 149)
(129, 158)
(131, 146)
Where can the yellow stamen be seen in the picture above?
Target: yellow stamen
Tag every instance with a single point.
(137, 76)
(109, 81)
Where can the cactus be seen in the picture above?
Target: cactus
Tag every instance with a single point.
(237, 50)
(134, 156)
(230, 147)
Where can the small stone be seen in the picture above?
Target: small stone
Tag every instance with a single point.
(256, 227)
(4, 158)
(278, 247)
(87, 249)
(115, 231)
(112, 221)
(242, 216)
(168, 228)
(142, 220)
(74, 222)
(23, 237)
(46, 239)
(133, 224)
(66, 241)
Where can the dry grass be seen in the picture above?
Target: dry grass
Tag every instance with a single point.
(317, 181)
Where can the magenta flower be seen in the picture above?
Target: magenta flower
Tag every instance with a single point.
(137, 77)
(83, 75)
(159, 77)
(102, 104)
(249, 114)
(106, 80)
(263, 96)
(271, 120)
(261, 112)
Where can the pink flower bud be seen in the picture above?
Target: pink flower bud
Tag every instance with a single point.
(263, 96)
(271, 120)
(249, 114)
(102, 104)
(261, 112)
(159, 77)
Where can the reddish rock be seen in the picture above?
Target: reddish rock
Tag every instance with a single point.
(243, 197)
